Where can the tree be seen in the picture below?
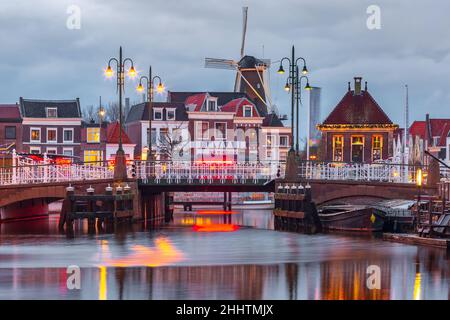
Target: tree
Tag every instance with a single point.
(112, 112)
(89, 113)
(171, 143)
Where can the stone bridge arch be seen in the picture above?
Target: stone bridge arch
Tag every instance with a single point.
(324, 192)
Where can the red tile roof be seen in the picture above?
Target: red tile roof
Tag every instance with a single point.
(237, 106)
(197, 100)
(357, 109)
(9, 111)
(112, 135)
(439, 128)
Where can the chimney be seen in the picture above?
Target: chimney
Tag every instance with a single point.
(358, 85)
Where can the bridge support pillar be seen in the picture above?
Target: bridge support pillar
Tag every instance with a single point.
(292, 165)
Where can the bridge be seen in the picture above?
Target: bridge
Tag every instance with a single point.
(30, 184)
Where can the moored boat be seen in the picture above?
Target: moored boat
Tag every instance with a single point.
(351, 218)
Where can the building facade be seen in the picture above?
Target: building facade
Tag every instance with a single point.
(51, 126)
(10, 128)
(209, 127)
(357, 129)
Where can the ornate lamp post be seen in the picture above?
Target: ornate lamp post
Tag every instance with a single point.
(101, 116)
(150, 81)
(120, 170)
(298, 100)
(292, 84)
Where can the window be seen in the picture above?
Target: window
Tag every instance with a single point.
(269, 153)
(68, 152)
(221, 130)
(51, 151)
(10, 132)
(68, 135)
(93, 135)
(357, 151)
(93, 156)
(201, 130)
(270, 140)
(211, 105)
(283, 155)
(170, 114)
(338, 148)
(157, 114)
(248, 111)
(436, 141)
(51, 135)
(35, 150)
(35, 135)
(377, 145)
(284, 141)
(52, 112)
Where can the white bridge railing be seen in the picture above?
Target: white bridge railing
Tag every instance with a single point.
(26, 171)
(193, 172)
(376, 172)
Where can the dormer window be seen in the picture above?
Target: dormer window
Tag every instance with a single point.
(52, 112)
(248, 111)
(212, 105)
(170, 113)
(157, 114)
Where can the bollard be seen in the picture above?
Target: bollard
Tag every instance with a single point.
(294, 201)
(127, 203)
(308, 194)
(90, 208)
(67, 209)
(119, 202)
(285, 205)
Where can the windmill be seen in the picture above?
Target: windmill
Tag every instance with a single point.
(252, 76)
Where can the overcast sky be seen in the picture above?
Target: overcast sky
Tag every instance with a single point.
(42, 58)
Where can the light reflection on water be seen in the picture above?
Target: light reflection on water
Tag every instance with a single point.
(175, 262)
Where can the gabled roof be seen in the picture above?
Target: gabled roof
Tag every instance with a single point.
(139, 112)
(195, 102)
(357, 109)
(112, 134)
(9, 113)
(272, 120)
(237, 107)
(33, 108)
(439, 128)
(222, 97)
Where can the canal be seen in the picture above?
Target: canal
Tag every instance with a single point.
(202, 256)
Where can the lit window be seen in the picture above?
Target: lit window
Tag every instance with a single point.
(93, 156)
(377, 145)
(357, 150)
(35, 135)
(157, 114)
(284, 141)
(270, 140)
(338, 148)
(93, 135)
(248, 111)
(51, 135)
(221, 131)
(170, 114)
(52, 112)
(68, 135)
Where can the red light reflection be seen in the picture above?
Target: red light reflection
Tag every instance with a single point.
(215, 228)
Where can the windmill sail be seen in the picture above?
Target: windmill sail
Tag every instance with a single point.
(237, 81)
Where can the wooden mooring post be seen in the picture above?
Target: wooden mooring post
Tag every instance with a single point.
(98, 209)
(294, 209)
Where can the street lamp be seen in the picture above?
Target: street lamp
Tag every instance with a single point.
(101, 116)
(292, 84)
(419, 178)
(150, 81)
(120, 170)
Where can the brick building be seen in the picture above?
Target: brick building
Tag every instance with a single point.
(357, 130)
(51, 126)
(10, 128)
